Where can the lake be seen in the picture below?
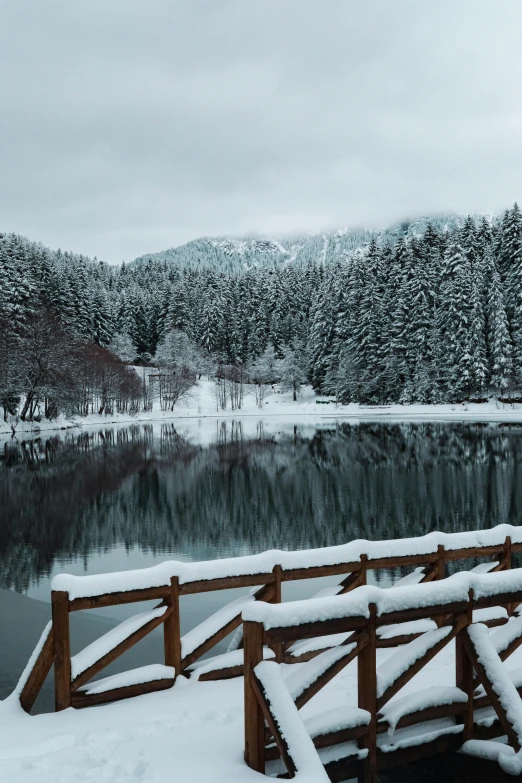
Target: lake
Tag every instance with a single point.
(90, 501)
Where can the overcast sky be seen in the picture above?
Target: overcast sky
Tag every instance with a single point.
(130, 126)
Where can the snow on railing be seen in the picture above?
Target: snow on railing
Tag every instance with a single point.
(263, 563)
(298, 750)
(455, 589)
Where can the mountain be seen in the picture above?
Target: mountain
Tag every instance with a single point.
(228, 254)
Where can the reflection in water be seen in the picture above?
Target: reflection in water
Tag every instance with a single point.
(74, 495)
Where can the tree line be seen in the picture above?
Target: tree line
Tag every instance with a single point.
(425, 316)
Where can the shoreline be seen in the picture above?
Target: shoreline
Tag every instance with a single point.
(201, 406)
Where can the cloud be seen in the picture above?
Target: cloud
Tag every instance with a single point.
(128, 127)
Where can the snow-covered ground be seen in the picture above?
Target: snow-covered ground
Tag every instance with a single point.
(202, 404)
(192, 733)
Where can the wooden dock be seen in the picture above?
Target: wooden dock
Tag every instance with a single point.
(422, 614)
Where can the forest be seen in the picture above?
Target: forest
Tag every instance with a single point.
(427, 312)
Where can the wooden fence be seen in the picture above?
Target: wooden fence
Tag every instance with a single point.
(169, 582)
(270, 724)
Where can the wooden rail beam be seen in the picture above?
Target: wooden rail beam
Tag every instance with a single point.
(118, 650)
(38, 673)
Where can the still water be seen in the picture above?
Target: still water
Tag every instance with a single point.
(126, 497)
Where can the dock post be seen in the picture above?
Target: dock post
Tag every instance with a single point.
(172, 630)
(62, 650)
(367, 695)
(254, 719)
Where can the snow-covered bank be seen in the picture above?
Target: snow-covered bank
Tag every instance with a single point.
(202, 404)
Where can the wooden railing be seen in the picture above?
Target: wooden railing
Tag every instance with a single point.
(479, 660)
(169, 582)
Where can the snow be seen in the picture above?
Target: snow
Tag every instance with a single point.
(14, 698)
(308, 765)
(319, 643)
(150, 673)
(201, 405)
(404, 657)
(198, 635)
(411, 627)
(502, 638)
(498, 676)
(356, 604)
(504, 755)
(420, 734)
(436, 696)
(303, 676)
(336, 720)
(100, 647)
(484, 568)
(192, 732)
(490, 613)
(224, 661)
(411, 579)
(263, 563)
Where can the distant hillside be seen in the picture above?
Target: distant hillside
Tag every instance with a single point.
(232, 254)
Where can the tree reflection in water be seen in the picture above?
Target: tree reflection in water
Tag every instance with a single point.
(78, 494)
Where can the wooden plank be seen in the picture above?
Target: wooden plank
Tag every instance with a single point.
(222, 674)
(421, 716)
(273, 727)
(464, 672)
(323, 740)
(477, 551)
(117, 599)
(316, 572)
(81, 700)
(254, 720)
(115, 653)
(172, 629)
(38, 673)
(367, 694)
(62, 650)
(330, 673)
(493, 698)
(419, 664)
(225, 583)
(441, 561)
(511, 648)
(423, 612)
(402, 560)
(397, 641)
(292, 633)
(485, 602)
(264, 594)
(276, 599)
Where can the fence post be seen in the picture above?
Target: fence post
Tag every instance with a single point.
(253, 635)
(364, 570)
(464, 672)
(172, 630)
(367, 695)
(277, 646)
(62, 650)
(440, 562)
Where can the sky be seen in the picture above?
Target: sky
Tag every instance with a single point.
(131, 126)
